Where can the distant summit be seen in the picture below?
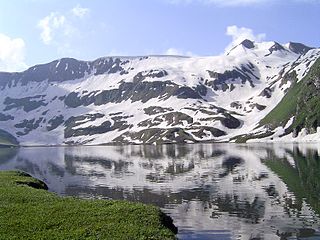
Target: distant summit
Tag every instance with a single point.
(247, 44)
(276, 47)
(241, 48)
(299, 48)
(268, 47)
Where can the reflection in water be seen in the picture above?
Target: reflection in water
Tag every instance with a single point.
(211, 191)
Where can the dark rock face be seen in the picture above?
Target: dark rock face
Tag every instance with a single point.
(55, 122)
(185, 93)
(247, 44)
(156, 135)
(76, 121)
(28, 103)
(67, 69)
(236, 105)
(88, 131)
(299, 48)
(267, 92)
(28, 125)
(151, 74)
(296, 131)
(201, 90)
(106, 126)
(107, 65)
(155, 110)
(4, 117)
(199, 131)
(289, 77)
(170, 135)
(227, 75)
(137, 91)
(230, 122)
(223, 80)
(211, 110)
(171, 119)
(120, 123)
(257, 106)
(276, 47)
(62, 70)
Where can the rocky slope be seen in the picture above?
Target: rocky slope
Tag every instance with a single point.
(243, 95)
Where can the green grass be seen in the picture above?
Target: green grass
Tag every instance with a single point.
(285, 109)
(30, 213)
(302, 101)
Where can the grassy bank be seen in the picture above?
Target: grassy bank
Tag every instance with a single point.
(28, 211)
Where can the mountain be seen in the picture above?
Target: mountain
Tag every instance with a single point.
(256, 92)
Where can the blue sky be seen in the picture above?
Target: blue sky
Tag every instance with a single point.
(39, 31)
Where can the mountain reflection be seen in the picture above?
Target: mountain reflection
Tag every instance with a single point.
(213, 191)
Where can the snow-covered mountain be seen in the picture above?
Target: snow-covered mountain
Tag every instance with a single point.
(160, 99)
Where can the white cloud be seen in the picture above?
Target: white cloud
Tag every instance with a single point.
(56, 27)
(49, 24)
(239, 34)
(178, 52)
(12, 54)
(80, 11)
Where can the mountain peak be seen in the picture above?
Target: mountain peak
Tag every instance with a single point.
(241, 47)
(247, 44)
(298, 48)
(276, 47)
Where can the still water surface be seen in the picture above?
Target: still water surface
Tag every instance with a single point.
(212, 191)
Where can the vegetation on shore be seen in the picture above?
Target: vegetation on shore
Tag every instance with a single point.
(28, 211)
(301, 102)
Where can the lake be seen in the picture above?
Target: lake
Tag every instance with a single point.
(212, 191)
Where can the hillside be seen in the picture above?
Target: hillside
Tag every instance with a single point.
(252, 92)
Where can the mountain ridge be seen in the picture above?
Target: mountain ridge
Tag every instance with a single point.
(153, 99)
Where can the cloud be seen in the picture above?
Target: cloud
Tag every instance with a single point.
(80, 11)
(56, 27)
(239, 34)
(49, 24)
(12, 54)
(178, 52)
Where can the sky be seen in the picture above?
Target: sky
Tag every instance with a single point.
(39, 31)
